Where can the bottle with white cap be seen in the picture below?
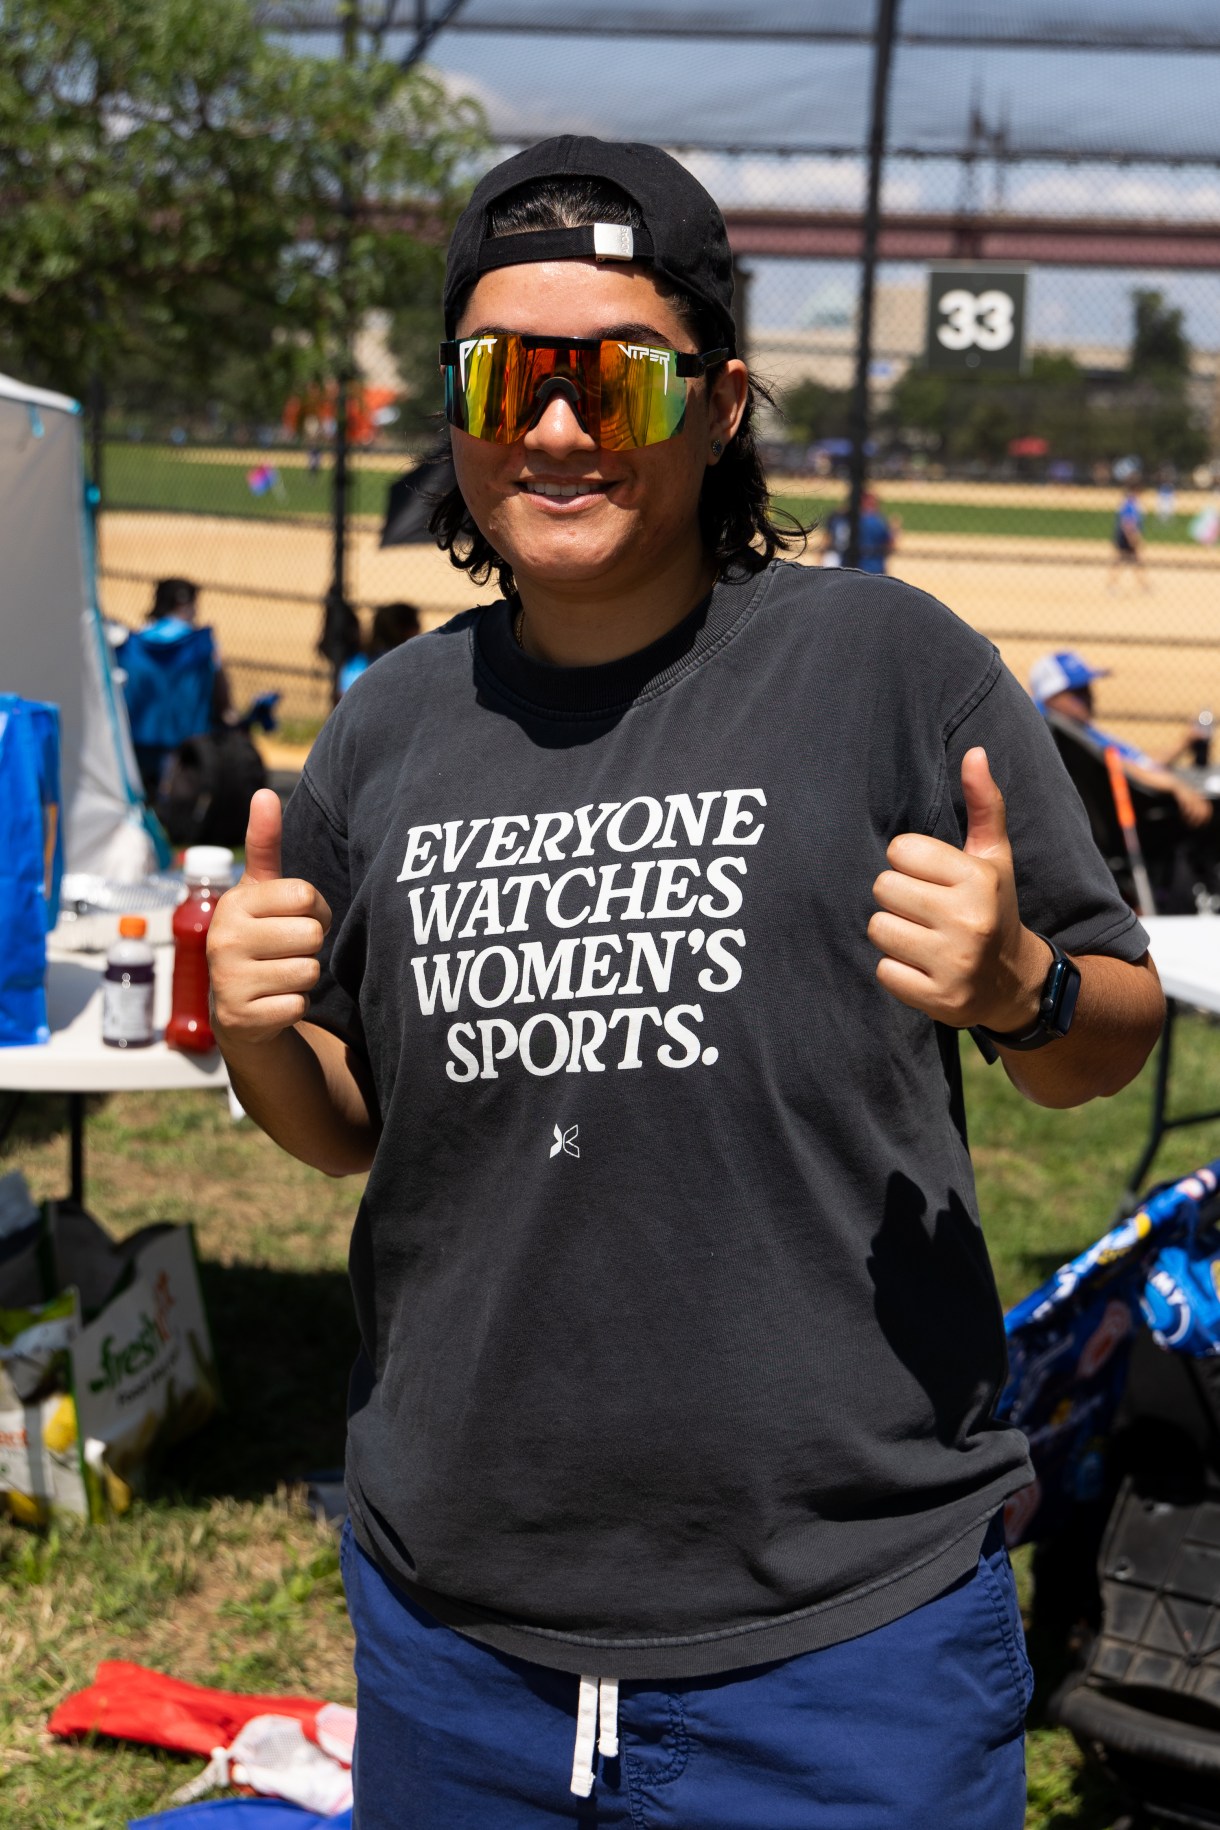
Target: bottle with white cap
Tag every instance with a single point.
(127, 987)
(208, 870)
(1201, 739)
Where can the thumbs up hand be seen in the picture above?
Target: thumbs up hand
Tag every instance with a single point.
(264, 834)
(265, 938)
(947, 925)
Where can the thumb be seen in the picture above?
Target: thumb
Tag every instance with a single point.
(986, 822)
(263, 834)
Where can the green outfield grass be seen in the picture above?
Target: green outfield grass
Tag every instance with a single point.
(161, 477)
(1035, 522)
(221, 1576)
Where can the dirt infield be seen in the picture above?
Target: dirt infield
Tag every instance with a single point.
(263, 584)
(262, 588)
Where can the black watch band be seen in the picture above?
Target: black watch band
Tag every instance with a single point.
(1056, 1007)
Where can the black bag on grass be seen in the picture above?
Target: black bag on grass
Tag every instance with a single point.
(205, 793)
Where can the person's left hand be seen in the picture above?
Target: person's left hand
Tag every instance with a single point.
(948, 928)
(1194, 807)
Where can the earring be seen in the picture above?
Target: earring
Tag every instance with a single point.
(717, 447)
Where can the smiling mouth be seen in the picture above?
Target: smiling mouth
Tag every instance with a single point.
(565, 492)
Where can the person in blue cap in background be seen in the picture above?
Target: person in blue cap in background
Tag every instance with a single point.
(1063, 683)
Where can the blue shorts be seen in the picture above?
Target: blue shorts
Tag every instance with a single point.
(918, 1724)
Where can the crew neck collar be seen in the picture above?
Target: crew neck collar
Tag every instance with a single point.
(613, 685)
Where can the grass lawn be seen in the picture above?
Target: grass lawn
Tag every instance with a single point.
(1036, 522)
(161, 477)
(221, 1576)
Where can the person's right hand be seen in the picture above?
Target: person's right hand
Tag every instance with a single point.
(265, 937)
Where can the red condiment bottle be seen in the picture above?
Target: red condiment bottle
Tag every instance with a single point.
(209, 872)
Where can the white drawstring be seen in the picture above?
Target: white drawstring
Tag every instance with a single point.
(586, 1735)
(597, 1695)
(607, 1699)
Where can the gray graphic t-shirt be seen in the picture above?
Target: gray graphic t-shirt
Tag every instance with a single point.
(680, 1340)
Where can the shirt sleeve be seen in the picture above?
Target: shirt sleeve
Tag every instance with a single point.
(1064, 887)
(1128, 751)
(316, 848)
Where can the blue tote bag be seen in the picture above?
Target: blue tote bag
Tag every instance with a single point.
(31, 862)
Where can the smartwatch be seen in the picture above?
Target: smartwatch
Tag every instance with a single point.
(1056, 1009)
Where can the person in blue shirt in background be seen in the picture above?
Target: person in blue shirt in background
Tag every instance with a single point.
(1128, 540)
(878, 535)
(1063, 683)
(393, 624)
(173, 679)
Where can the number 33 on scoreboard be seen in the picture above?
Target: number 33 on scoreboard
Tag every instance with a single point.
(976, 320)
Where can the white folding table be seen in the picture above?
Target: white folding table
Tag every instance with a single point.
(76, 1062)
(1186, 949)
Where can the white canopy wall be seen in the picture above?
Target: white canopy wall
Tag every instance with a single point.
(52, 643)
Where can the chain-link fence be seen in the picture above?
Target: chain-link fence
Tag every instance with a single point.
(247, 514)
(1070, 502)
(1057, 491)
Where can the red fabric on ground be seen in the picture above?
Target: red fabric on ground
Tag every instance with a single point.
(131, 1703)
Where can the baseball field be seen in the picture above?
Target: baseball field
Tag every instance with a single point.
(1028, 564)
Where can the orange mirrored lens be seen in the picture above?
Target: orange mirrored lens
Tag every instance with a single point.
(625, 395)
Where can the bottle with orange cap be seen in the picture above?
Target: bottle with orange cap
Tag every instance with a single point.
(127, 987)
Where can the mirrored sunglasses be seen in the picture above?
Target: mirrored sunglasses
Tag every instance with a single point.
(624, 394)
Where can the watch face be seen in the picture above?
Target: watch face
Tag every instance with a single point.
(1066, 990)
(1060, 990)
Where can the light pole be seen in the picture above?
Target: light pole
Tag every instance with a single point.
(887, 16)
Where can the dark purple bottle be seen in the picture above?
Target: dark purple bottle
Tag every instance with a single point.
(127, 987)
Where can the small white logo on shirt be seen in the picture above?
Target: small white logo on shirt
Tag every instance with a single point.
(566, 1141)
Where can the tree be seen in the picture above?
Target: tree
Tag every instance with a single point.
(1158, 344)
(973, 418)
(812, 411)
(1152, 405)
(417, 326)
(173, 186)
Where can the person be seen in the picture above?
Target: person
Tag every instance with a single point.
(174, 681)
(175, 606)
(1063, 683)
(341, 640)
(623, 931)
(878, 535)
(1128, 539)
(392, 625)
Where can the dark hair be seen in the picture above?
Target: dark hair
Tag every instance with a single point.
(171, 595)
(740, 530)
(340, 637)
(393, 624)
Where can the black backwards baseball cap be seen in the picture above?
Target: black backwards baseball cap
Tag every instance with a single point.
(683, 235)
